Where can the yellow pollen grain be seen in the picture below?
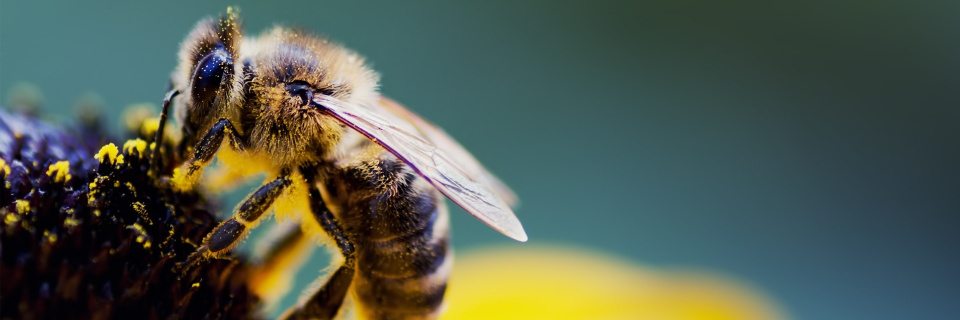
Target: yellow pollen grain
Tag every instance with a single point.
(142, 236)
(107, 153)
(141, 210)
(143, 240)
(51, 237)
(60, 171)
(135, 144)
(71, 222)
(11, 218)
(132, 188)
(94, 192)
(23, 207)
(195, 285)
(137, 227)
(4, 167)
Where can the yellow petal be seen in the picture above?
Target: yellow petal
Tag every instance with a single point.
(536, 282)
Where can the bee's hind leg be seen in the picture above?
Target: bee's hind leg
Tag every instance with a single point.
(326, 302)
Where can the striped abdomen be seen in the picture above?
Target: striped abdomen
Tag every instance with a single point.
(400, 228)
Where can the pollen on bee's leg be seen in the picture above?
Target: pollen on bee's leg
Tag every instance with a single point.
(225, 236)
(186, 179)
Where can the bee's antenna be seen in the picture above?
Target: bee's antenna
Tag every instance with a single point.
(158, 138)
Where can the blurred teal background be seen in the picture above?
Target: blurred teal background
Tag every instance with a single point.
(810, 149)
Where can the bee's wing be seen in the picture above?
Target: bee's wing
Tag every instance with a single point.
(445, 142)
(436, 165)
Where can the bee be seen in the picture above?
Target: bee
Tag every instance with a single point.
(340, 158)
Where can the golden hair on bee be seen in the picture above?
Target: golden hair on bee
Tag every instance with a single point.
(283, 58)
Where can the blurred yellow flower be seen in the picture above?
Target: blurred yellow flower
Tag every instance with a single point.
(537, 282)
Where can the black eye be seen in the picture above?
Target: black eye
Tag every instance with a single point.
(209, 74)
(302, 90)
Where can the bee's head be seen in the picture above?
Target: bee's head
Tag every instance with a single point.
(286, 69)
(290, 66)
(207, 72)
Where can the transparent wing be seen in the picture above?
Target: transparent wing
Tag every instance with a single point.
(445, 142)
(434, 164)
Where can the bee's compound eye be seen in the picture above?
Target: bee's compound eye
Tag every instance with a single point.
(301, 90)
(209, 74)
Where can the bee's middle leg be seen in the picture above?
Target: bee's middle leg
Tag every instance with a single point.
(229, 232)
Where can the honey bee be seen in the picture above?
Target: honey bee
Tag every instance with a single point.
(340, 158)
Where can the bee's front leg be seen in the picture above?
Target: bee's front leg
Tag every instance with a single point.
(326, 302)
(229, 232)
(186, 176)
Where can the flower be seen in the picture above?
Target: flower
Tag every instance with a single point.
(560, 282)
(88, 232)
